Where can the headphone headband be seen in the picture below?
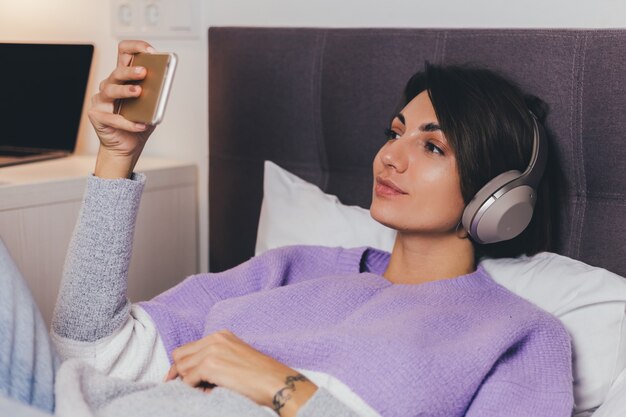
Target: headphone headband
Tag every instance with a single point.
(539, 157)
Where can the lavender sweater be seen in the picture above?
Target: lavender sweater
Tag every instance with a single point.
(455, 347)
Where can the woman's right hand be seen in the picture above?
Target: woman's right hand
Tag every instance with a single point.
(121, 141)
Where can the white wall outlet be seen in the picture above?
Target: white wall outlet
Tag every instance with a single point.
(161, 19)
(125, 19)
(152, 14)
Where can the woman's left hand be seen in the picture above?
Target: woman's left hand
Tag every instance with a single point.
(225, 360)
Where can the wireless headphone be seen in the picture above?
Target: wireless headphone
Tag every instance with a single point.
(503, 208)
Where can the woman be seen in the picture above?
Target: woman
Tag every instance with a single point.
(326, 331)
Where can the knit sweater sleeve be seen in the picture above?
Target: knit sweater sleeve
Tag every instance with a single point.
(324, 404)
(92, 300)
(532, 378)
(93, 320)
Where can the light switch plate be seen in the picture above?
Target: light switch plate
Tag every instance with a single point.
(156, 19)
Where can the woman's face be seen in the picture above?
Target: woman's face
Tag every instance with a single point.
(416, 181)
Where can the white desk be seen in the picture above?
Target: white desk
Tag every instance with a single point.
(39, 204)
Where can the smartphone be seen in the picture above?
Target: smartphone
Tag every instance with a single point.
(149, 107)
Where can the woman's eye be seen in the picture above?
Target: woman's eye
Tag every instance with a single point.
(390, 134)
(433, 148)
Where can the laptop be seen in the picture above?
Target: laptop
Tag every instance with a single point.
(42, 92)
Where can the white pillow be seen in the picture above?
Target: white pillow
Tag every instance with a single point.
(615, 403)
(295, 211)
(591, 302)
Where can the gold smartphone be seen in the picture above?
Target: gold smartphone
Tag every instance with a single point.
(149, 107)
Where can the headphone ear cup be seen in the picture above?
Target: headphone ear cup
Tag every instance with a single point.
(490, 220)
(485, 193)
(507, 216)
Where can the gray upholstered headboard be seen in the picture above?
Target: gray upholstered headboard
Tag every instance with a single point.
(316, 101)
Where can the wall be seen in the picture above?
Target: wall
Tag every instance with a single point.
(183, 134)
(184, 131)
(415, 13)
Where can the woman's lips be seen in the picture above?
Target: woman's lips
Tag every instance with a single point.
(386, 187)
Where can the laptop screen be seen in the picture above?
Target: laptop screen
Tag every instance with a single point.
(42, 89)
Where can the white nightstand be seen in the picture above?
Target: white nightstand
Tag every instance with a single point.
(39, 204)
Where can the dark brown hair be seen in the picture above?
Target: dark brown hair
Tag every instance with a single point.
(485, 118)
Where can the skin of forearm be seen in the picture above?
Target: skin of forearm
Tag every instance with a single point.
(111, 166)
(293, 392)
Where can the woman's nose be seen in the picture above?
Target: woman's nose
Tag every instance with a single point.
(393, 156)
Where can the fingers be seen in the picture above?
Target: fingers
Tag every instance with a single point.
(172, 373)
(193, 360)
(188, 363)
(102, 120)
(112, 92)
(190, 348)
(126, 49)
(115, 86)
(123, 74)
(202, 385)
(194, 378)
(193, 370)
(181, 353)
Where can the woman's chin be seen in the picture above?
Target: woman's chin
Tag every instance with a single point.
(406, 221)
(384, 217)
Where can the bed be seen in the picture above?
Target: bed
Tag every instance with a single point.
(315, 101)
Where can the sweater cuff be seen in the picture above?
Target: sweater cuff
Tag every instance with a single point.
(323, 403)
(110, 196)
(134, 177)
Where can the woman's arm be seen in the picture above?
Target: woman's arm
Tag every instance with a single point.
(225, 360)
(93, 319)
(92, 299)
